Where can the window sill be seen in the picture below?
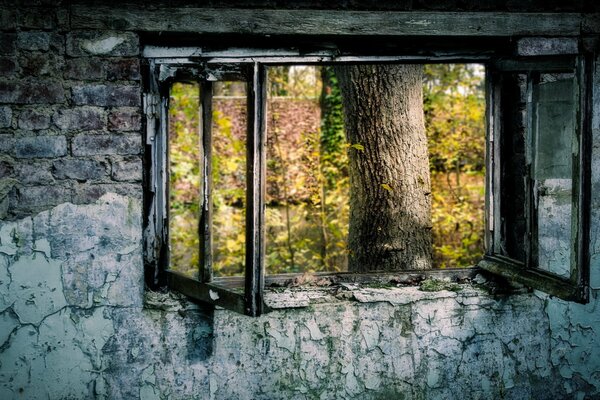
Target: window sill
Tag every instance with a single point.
(395, 294)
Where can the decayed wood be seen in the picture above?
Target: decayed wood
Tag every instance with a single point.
(205, 292)
(328, 22)
(536, 279)
(582, 273)
(412, 277)
(255, 193)
(205, 226)
(591, 23)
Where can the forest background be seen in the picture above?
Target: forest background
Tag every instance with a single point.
(307, 173)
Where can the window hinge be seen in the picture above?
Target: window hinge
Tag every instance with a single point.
(151, 102)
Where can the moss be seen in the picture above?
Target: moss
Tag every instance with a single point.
(435, 285)
(379, 285)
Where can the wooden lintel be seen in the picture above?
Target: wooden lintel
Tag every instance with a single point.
(330, 22)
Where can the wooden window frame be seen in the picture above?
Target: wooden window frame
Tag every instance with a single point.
(526, 272)
(164, 65)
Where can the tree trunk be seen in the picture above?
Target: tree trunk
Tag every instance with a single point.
(390, 190)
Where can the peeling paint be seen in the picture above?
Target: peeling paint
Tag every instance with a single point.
(74, 323)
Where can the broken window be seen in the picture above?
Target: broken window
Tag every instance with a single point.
(539, 210)
(242, 171)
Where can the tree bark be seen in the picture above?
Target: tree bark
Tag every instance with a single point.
(390, 189)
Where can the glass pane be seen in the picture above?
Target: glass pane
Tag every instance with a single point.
(229, 120)
(185, 178)
(554, 107)
(307, 176)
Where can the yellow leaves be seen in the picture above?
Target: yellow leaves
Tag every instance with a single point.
(357, 146)
(315, 199)
(386, 187)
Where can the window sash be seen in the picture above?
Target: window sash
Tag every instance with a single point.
(527, 271)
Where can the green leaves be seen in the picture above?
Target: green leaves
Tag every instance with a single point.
(307, 179)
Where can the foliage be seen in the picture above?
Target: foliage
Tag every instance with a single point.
(228, 187)
(454, 107)
(185, 177)
(307, 178)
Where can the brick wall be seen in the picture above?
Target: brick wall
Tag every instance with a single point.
(69, 113)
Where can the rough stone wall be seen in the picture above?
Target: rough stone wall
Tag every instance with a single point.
(76, 322)
(69, 112)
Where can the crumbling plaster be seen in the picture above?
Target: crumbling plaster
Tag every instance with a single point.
(76, 322)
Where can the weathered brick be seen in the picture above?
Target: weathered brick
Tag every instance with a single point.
(123, 70)
(36, 64)
(84, 69)
(86, 194)
(7, 144)
(34, 172)
(8, 19)
(79, 169)
(37, 92)
(124, 120)
(8, 43)
(42, 196)
(4, 206)
(37, 18)
(41, 146)
(536, 46)
(102, 43)
(106, 144)
(62, 19)
(34, 119)
(7, 167)
(80, 118)
(8, 67)
(5, 117)
(9, 92)
(33, 41)
(107, 95)
(127, 169)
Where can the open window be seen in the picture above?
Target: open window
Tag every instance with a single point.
(536, 173)
(538, 202)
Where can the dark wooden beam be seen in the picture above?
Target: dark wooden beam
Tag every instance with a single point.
(536, 279)
(205, 226)
(331, 22)
(206, 292)
(255, 192)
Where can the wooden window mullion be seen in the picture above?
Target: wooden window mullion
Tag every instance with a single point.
(255, 194)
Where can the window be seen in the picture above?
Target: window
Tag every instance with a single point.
(537, 169)
(538, 207)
